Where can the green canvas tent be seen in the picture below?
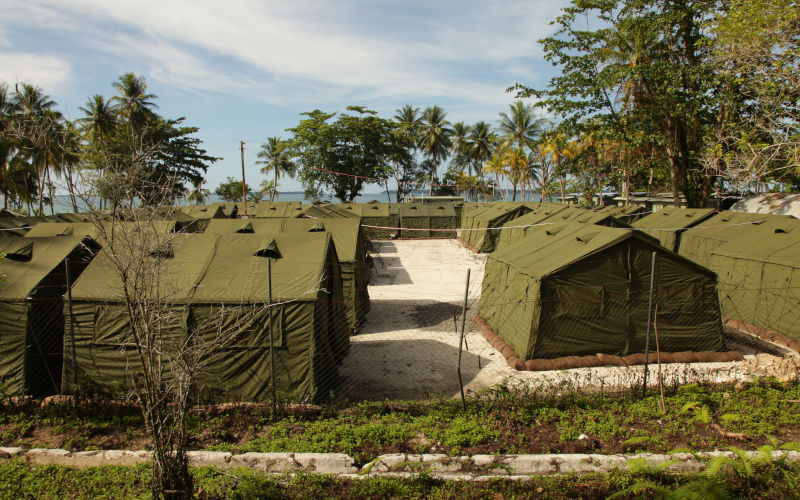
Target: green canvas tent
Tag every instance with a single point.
(757, 274)
(668, 224)
(381, 215)
(427, 216)
(699, 242)
(278, 209)
(578, 289)
(31, 309)
(553, 214)
(628, 215)
(481, 233)
(348, 239)
(161, 226)
(213, 281)
(202, 214)
(329, 211)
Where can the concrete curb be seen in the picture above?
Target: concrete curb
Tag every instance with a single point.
(492, 466)
(399, 464)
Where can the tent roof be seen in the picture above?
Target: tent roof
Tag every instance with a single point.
(87, 228)
(427, 210)
(345, 232)
(203, 211)
(329, 210)
(674, 218)
(29, 260)
(775, 243)
(224, 268)
(548, 249)
(269, 209)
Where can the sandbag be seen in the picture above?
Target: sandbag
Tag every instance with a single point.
(685, 357)
(610, 359)
(539, 365)
(638, 359)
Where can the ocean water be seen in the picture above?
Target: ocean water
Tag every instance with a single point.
(62, 202)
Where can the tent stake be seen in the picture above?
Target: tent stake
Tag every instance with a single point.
(649, 316)
(461, 342)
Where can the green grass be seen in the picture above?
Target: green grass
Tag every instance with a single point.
(499, 420)
(766, 480)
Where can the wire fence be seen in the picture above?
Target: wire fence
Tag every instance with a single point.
(445, 342)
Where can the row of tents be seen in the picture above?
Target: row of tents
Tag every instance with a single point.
(379, 220)
(564, 281)
(63, 321)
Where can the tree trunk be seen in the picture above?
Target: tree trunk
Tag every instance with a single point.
(562, 181)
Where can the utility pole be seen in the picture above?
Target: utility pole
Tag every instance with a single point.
(244, 186)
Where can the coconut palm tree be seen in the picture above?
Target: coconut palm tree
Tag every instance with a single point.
(198, 193)
(133, 104)
(34, 120)
(520, 126)
(517, 161)
(275, 158)
(496, 166)
(410, 122)
(460, 146)
(481, 144)
(435, 134)
(99, 121)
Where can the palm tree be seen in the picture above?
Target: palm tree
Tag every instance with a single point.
(481, 144)
(496, 165)
(133, 103)
(99, 121)
(460, 146)
(520, 126)
(198, 193)
(35, 120)
(275, 158)
(517, 161)
(435, 136)
(410, 121)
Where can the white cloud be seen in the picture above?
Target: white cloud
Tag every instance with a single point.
(48, 72)
(307, 50)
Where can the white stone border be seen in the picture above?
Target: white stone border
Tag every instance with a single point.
(400, 464)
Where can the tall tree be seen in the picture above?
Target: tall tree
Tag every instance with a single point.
(435, 138)
(666, 69)
(460, 146)
(341, 156)
(132, 102)
(520, 127)
(275, 158)
(481, 145)
(407, 170)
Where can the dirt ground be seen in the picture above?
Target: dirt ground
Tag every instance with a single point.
(408, 346)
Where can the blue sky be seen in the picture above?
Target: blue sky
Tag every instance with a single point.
(245, 69)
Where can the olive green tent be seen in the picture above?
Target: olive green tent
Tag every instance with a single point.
(382, 216)
(279, 209)
(67, 229)
(213, 281)
(481, 231)
(578, 289)
(757, 273)
(427, 216)
(348, 239)
(668, 224)
(699, 242)
(552, 214)
(202, 214)
(31, 309)
(628, 215)
(328, 210)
